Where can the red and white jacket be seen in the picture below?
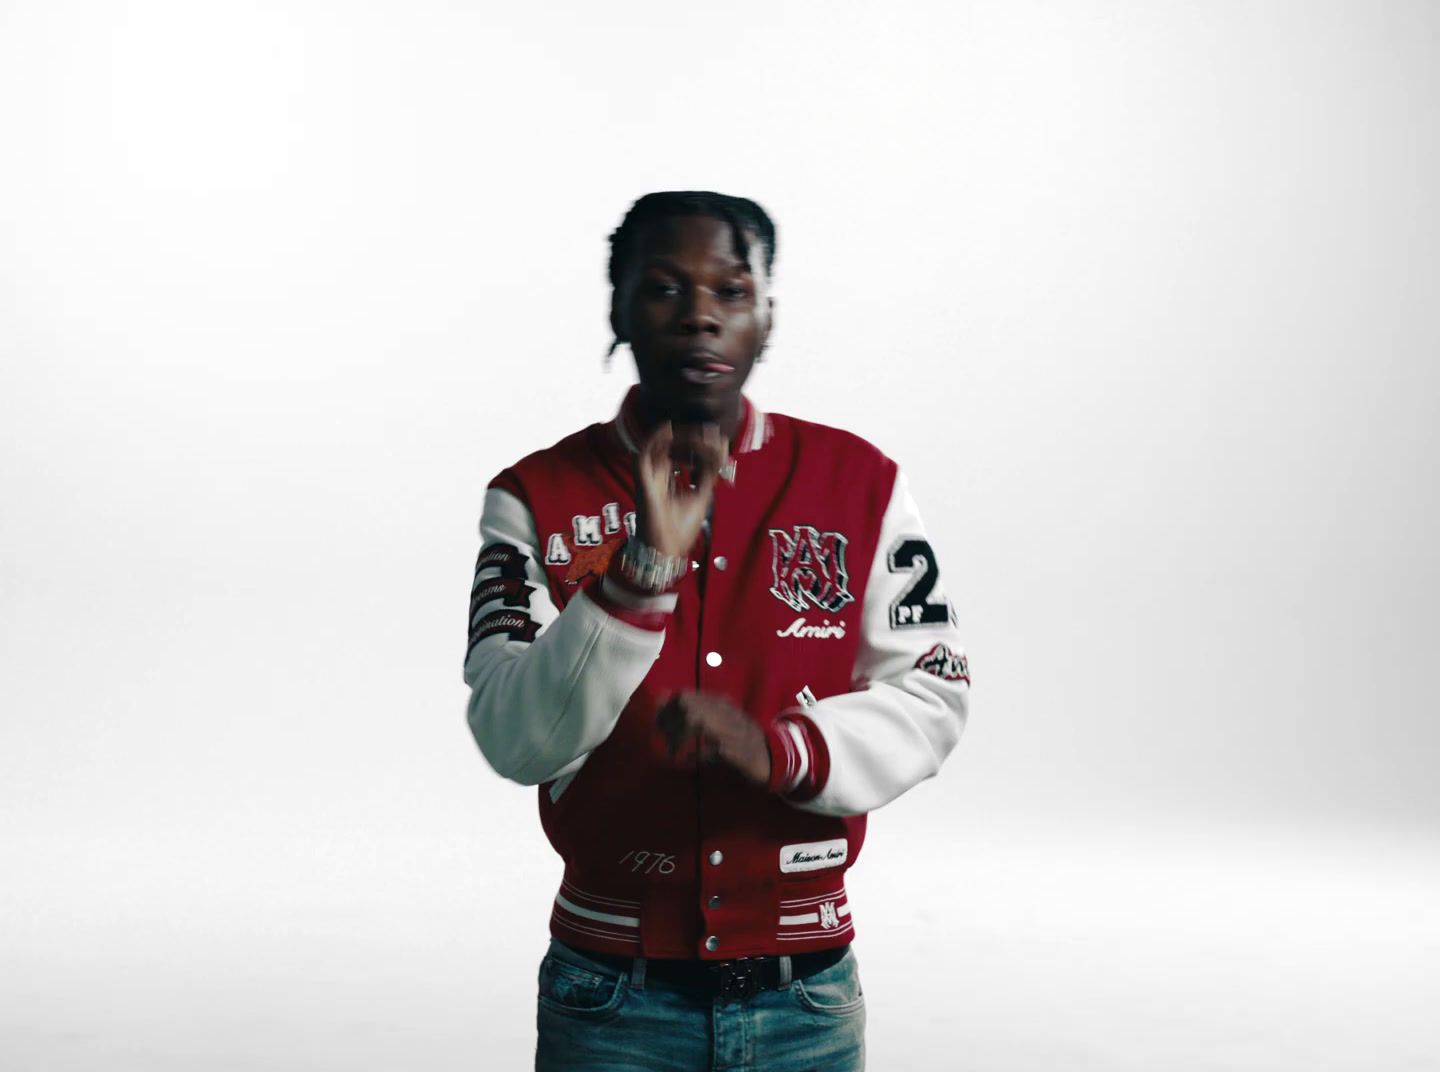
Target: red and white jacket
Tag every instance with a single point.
(814, 605)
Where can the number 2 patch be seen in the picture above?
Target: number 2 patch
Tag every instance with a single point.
(911, 554)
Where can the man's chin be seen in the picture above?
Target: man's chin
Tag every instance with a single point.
(692, 409)
(696, 411)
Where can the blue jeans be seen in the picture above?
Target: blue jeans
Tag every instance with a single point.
(595, 1018)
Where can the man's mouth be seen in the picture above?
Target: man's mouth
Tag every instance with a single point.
(704, 368)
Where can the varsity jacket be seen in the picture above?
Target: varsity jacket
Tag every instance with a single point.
(813, 603)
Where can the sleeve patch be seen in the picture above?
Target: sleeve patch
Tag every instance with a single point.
(511, 591)
(945, 664)
(916, 606)
(519, 626)
(503, 556)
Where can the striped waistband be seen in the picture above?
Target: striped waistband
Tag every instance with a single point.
(589, 917)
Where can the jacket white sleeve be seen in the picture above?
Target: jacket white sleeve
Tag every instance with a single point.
(547, 687)
(914, 686)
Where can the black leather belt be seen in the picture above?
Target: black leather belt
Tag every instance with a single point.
(727, 980)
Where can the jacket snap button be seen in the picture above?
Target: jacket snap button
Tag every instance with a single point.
(721, 562)
(716, 857)
(714, 900)
(713, 658)
(712, 943)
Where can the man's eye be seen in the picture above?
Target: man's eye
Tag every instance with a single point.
(664, 290)
(734, 291)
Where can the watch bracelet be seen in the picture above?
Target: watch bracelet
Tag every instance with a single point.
(649, 570)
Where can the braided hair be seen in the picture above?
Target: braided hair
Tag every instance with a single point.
(742, 214)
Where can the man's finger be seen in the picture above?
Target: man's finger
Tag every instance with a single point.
(654, 455)
(716, 452)
(708, 447)
(707, 748)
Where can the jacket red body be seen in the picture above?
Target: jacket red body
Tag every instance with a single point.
(679, 860)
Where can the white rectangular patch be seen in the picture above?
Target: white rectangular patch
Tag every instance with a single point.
(813, 855)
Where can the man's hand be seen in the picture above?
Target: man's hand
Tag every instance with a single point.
(668, 509)
(718, 730)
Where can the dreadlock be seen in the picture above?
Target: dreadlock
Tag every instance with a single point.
(740, 213)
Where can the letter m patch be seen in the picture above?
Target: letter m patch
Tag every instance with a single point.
(809, 567)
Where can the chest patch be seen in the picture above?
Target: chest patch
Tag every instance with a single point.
(809, 569)
(814, 855)
(587, 561)
(587, 548)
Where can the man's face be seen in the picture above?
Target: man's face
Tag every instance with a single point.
(695, 318)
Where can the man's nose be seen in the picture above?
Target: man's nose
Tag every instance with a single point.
(697, 316)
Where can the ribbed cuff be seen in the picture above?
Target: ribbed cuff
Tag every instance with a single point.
(612, 594)
(799, 760)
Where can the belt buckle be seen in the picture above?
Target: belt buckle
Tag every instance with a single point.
(737, 980)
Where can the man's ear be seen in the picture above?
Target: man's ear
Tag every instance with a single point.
(767, 322)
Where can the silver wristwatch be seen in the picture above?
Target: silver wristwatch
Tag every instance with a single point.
(649, 570)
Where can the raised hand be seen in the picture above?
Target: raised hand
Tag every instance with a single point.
(670, 509)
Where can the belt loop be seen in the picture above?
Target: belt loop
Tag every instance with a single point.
(637, 974)
(785, 973)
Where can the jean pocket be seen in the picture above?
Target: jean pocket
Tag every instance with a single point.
(579, 992)
(836, 991)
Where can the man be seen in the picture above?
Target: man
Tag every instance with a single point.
(714, 638)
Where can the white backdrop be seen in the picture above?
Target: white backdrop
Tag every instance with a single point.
(1141, 294)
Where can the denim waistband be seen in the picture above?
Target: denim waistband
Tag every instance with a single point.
(726, 979)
